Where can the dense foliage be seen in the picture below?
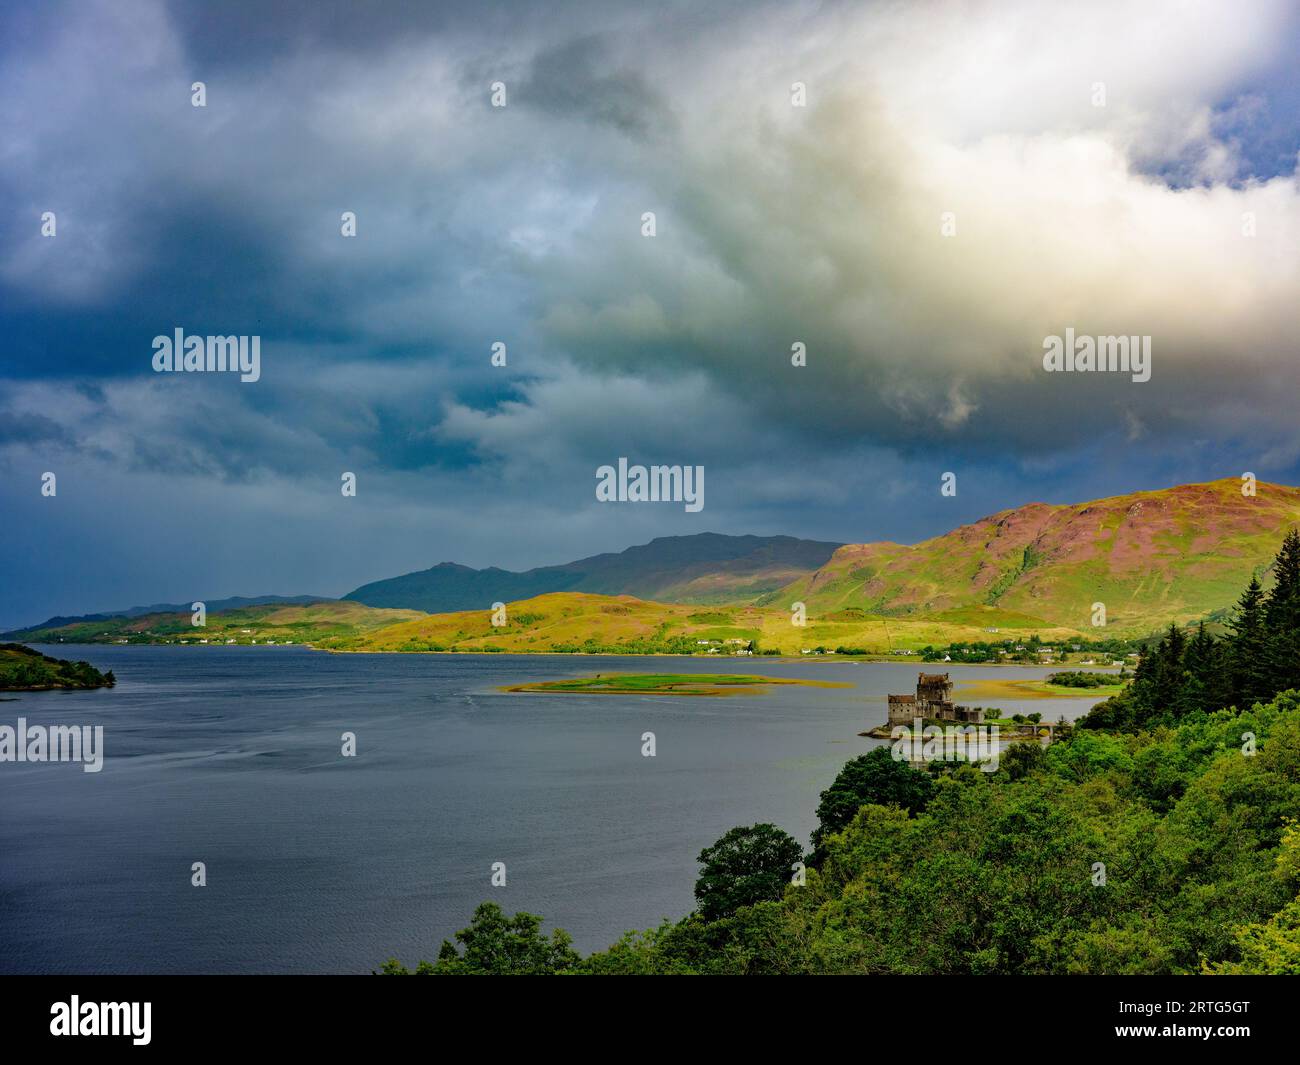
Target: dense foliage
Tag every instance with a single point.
(1026, 649)
(1082, 679)
(1164, 838)
(876, 777)
(497, 945)
(1154, 852)
(22, 669)
(748, 865)
(999, 873)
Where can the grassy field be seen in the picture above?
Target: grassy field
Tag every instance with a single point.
(982, 692)
(596, 624)
(572, 622)
(666, 684)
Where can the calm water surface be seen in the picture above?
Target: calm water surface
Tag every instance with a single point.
(318, 863)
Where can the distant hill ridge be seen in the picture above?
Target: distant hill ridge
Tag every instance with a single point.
(703, 568)
(279, 622)
(1174, 554)
(235, 602)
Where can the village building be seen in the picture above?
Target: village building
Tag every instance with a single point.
(932, 701)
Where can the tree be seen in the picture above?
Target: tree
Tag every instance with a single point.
(1272, 947)
(1206, 685)
(393, 967)
(876, 777)
(497, 945)
(1249, 659)
(1282, 617)
(746, 866)
(1022, 759)
(1181, 676)
(1167, 679)
(1283, 607)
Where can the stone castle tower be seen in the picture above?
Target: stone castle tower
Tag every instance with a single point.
(932, 701)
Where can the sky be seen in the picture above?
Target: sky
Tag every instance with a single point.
(961, 181)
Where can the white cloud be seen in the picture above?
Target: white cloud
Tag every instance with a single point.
(776, 224)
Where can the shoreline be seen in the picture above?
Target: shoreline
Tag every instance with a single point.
(822, 658)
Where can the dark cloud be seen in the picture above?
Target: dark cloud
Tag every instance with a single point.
(30, 428)
(578, 81)
(522, 225)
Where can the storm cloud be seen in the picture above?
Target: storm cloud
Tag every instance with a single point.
(964, 180)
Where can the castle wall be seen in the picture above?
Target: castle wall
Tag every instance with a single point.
(933, 700)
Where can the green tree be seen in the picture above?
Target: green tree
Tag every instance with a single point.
(1206, 684)
(497, 945)
(1272, 947)
(1167, 681)
(1282, 617)
(1022, 759)
(746, 866)
(876, 777)
(1250, 655)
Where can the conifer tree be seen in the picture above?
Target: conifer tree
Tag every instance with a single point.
(1206, 685)
(1168, 679)
(1282, 617)
(1141, 693)
(1250, 654)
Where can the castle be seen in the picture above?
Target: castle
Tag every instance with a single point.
(932, 701)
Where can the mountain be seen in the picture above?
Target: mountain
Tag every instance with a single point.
(1176, 554)
(235, 602)
(704, 568)
(256, 623)
(211, 605)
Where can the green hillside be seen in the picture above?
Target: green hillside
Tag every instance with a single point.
(576, 622)
(1177, 554)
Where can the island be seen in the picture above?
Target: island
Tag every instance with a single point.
(666, 684)
(933, 705)
(22, 669)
